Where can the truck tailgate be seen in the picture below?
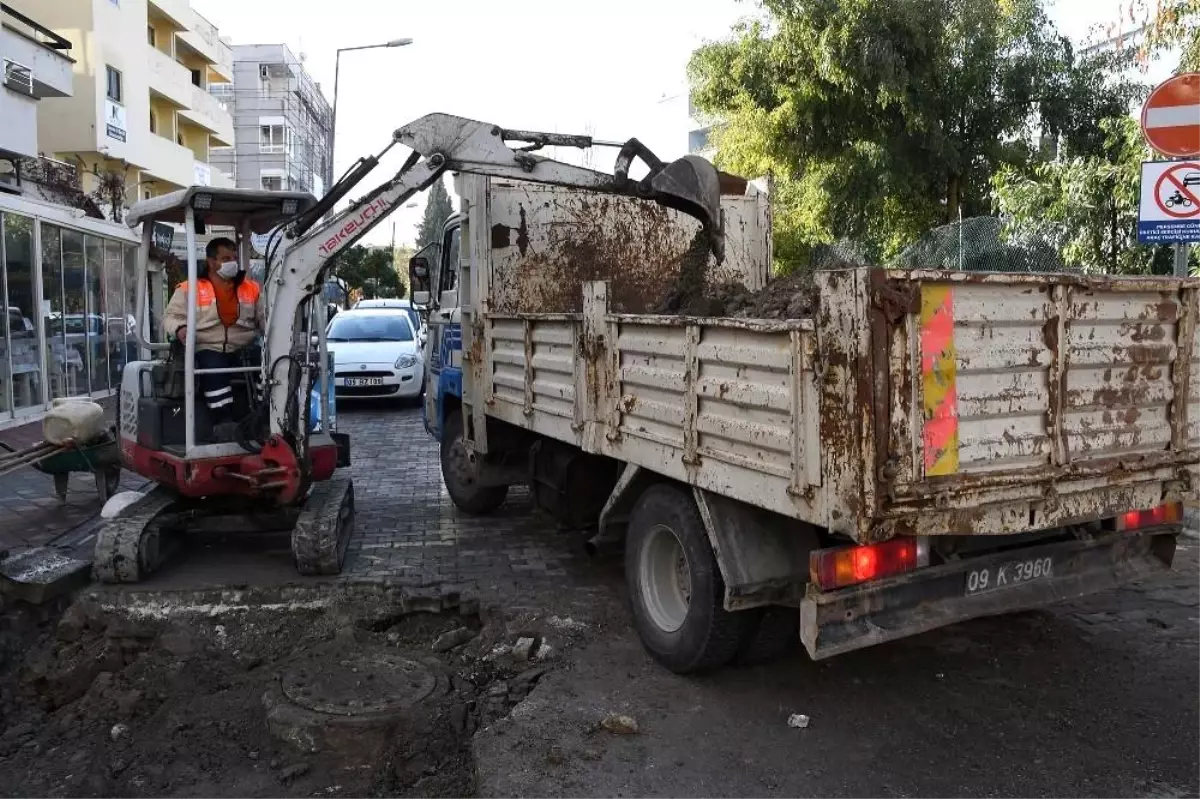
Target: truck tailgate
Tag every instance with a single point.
(1013, 402)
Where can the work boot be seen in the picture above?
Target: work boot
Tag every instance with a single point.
(225, 432)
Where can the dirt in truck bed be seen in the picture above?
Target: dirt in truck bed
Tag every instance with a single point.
(792, 296)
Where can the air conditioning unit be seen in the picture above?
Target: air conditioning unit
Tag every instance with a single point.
(10, 179)
(18, 77)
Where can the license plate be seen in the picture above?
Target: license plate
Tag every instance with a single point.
(1006, 575)
(353, 382)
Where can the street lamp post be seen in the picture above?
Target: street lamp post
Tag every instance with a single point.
(337, 63)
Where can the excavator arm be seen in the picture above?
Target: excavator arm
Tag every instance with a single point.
(441, 143)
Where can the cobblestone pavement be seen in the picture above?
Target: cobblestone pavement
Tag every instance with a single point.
(408, 530)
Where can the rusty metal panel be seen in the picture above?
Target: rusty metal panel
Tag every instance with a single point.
(552, 377)
(714, 403)
(1120, 353)
(1074, 399)
(743, 390)
(546, 242)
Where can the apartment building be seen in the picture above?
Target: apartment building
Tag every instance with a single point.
(140, 106)
(37, 65)
(283, 124)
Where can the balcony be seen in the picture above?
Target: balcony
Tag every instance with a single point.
(167, 161)
(42, 67)
(169, 78)
(206, 111)
(202, 37)
(179, 12)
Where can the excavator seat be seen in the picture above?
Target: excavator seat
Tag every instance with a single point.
(161, 416)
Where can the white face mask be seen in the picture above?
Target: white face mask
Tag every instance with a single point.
(228, 270)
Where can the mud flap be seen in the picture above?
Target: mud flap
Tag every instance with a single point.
(835, 622)
(763, 556)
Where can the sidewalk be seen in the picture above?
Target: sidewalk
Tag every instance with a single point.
(31, 513)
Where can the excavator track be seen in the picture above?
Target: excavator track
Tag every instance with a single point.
(323, 528)
(130, 547)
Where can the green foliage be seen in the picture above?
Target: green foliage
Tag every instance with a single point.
(883, 119)
(1086, 206)
(1173, 24)
(438, 209)
(371, 270)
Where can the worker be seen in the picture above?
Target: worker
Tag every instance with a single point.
(229, 316)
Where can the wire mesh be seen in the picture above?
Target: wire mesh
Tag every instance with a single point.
(980, 244)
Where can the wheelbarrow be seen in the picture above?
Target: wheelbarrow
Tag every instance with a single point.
(102, 458)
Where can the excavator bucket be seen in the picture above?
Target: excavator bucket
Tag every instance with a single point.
(693, 186)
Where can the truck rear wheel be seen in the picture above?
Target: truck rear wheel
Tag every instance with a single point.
(460, 473)
(675, 585)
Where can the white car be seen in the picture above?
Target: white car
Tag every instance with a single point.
(375, 354)
(414, 315)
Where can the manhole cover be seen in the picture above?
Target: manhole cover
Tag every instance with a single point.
(359, 683)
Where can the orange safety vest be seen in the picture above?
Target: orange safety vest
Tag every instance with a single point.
(248, 292)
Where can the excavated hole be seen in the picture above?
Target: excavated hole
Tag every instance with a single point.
(304, 696)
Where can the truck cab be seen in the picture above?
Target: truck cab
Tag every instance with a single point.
(443, 343)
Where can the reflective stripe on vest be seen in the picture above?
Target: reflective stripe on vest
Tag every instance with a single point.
(248, 292)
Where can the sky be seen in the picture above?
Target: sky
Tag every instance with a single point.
(602, 68)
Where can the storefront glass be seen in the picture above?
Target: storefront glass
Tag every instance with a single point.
(20, 362)
(85, 311)
(72, 321)
(59, 368)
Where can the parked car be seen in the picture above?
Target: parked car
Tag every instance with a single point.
(375, 354)
(414, 315)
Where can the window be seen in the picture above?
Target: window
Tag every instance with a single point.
(448, 280)
(20, 338)
(197, 80)
(151, 37)
(370, 327)
(272, 182)
(114, 84)
(153, 121)
(272, 138)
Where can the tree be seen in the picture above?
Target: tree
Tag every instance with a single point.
(370, 270)
(1086, 206)
(438, 209)
(1172, 24)
(881, 120)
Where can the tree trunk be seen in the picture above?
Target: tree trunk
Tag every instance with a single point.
(952, 199)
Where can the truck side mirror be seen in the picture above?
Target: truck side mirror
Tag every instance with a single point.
(418, 278)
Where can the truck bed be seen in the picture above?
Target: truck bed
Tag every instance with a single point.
(915, 403)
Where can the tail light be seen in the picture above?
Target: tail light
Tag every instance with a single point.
(837, 568)
(1171, 513)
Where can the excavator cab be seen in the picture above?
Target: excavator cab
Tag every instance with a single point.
(171, 416)
(164, 428)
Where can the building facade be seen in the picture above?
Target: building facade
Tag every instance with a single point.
(283, 124)
(140, 114)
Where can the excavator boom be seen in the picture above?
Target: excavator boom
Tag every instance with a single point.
(443, 143)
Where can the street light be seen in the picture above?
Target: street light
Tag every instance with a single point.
(337, 62)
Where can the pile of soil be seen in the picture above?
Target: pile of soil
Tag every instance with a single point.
(102, 702)
(791, 297)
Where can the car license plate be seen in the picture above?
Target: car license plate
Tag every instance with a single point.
(1006, 575)
(354, 382)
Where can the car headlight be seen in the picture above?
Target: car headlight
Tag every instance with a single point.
(406, 361)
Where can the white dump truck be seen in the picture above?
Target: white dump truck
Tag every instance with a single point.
(926, 447)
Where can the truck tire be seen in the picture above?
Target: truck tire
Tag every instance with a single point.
(676, 591)
(460, 475)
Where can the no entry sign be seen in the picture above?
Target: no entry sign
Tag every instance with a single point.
(1170, 204)
(1171, 116)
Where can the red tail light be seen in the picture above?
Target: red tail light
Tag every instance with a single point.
(837, 568)
(1170, 513)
